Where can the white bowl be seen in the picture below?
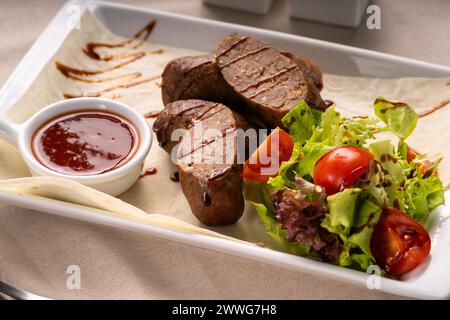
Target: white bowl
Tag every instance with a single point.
(113, 182)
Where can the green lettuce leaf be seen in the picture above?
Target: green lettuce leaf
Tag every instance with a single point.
(342, 206)
(399, 117)
(330, 120)
(385, 153)
(307, 125)
(396, 172)
(332, 130)
(374, 187)
(286, 174)
(258, 195)
(337, 131)
(402, 149)
(310, 154)
(423, 195)
(355, 260)
(354, 223)
(300, 121)
(365, 221)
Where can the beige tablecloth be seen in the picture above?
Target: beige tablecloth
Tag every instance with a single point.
(36, 248)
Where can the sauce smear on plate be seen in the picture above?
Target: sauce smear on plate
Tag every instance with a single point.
(85, 142)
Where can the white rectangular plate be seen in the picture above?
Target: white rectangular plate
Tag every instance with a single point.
(430, 280)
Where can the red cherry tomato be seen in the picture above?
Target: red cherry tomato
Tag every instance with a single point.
(341, 167)
(266, 159)
(412, 153)
(398, 242)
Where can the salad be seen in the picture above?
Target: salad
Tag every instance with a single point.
(329, 188)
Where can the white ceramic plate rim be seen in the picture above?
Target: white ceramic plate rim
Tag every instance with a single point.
(47, 44)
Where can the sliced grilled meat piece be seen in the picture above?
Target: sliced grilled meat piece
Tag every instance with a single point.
(269, 82)
(309, 68)
(180, 114)
(209, 174)
(196, 77)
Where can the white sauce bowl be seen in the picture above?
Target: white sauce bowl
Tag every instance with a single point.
(113, 182)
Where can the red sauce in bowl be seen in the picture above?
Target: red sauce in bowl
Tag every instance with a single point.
(85, 142)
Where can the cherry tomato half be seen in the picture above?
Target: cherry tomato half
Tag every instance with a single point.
(266, 159)
(398, 242)
(341, 167)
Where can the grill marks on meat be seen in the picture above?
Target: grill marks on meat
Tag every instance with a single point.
(309, 68)
(248, 54)
(270, 78)
(213, 191)
(269, 82)
(180, 115)
(196, 78)
(301, 218)
(247, 75)
(190, 149)
(237, 41)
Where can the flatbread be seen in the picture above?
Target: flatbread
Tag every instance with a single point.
(155, 199)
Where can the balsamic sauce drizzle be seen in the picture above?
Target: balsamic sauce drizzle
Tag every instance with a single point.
(141, 35)
(175, 176)
(125, 57)
(435, 108)
(152, 114)
(149, 172)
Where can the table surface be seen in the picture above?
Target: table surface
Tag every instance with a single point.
(36, 249)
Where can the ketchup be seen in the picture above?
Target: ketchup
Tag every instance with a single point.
(85, 142)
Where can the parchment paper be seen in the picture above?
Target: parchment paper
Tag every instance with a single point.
(155, 199)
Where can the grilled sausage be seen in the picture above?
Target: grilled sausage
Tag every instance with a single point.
(269, 82)
(196, 77)
(209, 174)
(309, 68)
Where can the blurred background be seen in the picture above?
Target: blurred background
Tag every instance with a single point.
(415, 29)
